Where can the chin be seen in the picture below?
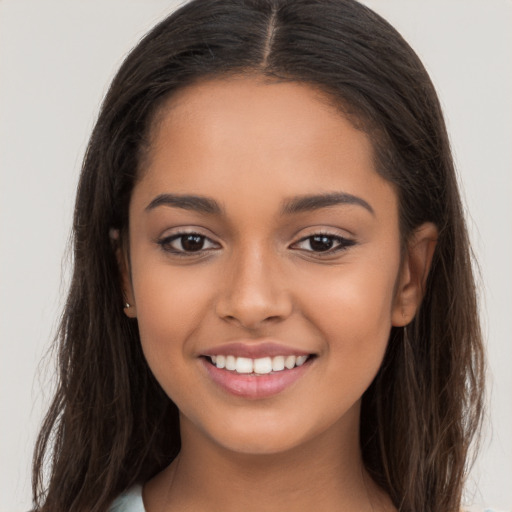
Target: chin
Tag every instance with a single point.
(264, 438)
(267, 445)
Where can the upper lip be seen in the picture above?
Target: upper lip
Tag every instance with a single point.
(254, 350)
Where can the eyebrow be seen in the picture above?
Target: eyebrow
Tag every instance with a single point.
(315, 202)
(291, 206)
(187, 202)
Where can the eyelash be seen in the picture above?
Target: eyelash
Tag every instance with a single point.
(343, 243)
(165, 244)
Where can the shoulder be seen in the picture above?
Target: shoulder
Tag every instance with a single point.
(129, 501)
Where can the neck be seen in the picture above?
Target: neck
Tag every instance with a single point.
(325, 473)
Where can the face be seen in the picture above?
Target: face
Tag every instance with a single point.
(264, 263)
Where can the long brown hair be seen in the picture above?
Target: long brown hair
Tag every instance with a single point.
(110, 424)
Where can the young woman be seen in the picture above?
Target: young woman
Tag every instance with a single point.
(272, 305)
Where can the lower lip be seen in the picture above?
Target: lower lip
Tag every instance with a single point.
(255, 386)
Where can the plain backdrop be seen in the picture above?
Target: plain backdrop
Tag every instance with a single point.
(56, 61)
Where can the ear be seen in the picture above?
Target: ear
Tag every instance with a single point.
(413, 274)
(123, 262)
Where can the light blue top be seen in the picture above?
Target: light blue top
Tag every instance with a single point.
(131, 501)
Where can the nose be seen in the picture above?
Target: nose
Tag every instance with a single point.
(254, 292)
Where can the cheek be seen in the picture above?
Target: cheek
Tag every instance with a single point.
(170, 307)
(355, 321)
(353, 312)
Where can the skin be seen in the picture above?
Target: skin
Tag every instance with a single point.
(250, 145)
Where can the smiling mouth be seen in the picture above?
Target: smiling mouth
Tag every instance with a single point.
(259, 366)
(255, 378)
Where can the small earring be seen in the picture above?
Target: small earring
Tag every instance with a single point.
(127, 305)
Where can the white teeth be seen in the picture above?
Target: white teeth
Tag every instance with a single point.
(230, 363)
(289, 362)
(244, 365)
(261, 366)
(301, 360)
(277, 363)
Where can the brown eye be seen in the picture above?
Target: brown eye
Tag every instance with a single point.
(192, 242)
(321, 243)
(324, 243)
(183, 243)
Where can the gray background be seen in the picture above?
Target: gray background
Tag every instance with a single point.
(56, 60)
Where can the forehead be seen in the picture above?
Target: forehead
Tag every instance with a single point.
(255, 137)
(242, 109)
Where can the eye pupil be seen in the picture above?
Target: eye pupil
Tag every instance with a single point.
(321, 243)
(192, 242)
